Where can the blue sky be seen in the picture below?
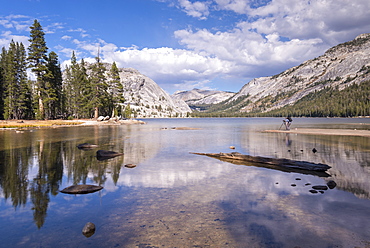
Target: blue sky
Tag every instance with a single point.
(185, 44)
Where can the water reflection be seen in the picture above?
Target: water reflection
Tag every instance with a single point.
(348, 156)
(173, 197)
(33, 163)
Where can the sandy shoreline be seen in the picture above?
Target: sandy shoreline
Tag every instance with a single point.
(19, 124)
(343, 132)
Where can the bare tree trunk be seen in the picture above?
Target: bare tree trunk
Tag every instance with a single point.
(96, 115)
(41, 106)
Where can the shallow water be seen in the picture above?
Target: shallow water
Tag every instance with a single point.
(173, 198)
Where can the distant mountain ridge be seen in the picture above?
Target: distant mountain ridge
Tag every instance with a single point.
(198, 97)
(338, 68)
(342, 65)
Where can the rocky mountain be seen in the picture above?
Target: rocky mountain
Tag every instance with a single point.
(199, 97)
(343, 65)
(147, 98)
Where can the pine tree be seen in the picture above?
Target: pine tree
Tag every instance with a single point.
(77, 90)
(85, 92)
(69, 91)
(16, 93)
(37, 58)
(127, 112)
(24, 101)
(53, 87)
(116, 89)
(2, 80)
(100, 96)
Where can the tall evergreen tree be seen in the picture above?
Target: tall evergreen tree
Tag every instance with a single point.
(116, 89)
(77, 90)
(37, 57)
(85, 91)
(100, 96)
(2, 80)
(53, 87)
(69, 100)
(24, 101)
(17, 93)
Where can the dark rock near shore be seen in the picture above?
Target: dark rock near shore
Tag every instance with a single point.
(331, 184)
(81, 189)
(320, 187)
(103, 154)
(130, 165)
(86, 146)
(88, 230)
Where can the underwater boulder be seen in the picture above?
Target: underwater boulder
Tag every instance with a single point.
(88, 230)
(104, 154)
(81, 189)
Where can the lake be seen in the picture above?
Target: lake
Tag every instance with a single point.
(174, 198)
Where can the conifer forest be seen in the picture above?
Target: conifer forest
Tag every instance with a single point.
(85, 91)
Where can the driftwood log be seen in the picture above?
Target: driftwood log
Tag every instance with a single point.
(273, 163)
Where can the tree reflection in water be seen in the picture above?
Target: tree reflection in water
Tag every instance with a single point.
(22, 156)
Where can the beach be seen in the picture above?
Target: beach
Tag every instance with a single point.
(314, 131)
(18, 124)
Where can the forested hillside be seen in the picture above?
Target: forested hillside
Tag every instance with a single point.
(333, 84)
(353, 101)
(330, 102)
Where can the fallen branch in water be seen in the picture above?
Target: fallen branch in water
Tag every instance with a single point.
(278, 162)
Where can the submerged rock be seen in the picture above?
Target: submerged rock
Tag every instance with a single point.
(331, 184)
(130, 165)
(86, 146)
(320, 187)
(81, 189)
(88, 230)
(103, 154)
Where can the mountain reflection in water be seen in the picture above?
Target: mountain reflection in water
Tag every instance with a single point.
(174, 198)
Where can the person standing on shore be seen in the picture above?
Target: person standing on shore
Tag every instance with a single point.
(287, 122)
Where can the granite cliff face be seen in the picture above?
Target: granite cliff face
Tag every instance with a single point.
(197, 96)
(147, 98)
(340, 66)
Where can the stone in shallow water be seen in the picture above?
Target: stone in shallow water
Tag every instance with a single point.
(320, 187)
(86, 146)
(88, 230)
(130, 165)
(331, 184)
(81, 189)
(103, 154)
